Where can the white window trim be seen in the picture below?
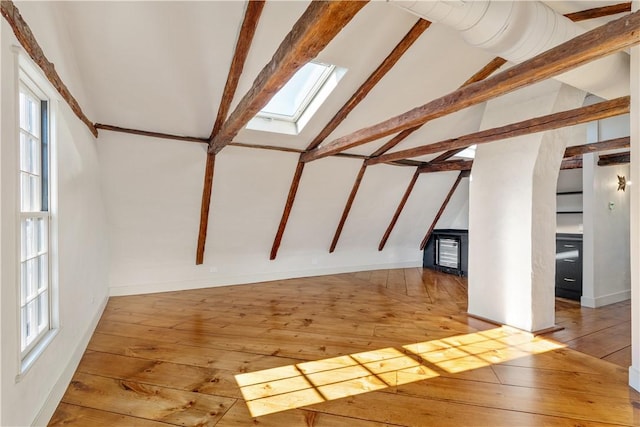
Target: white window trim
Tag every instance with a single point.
(288, 125)
(27, 73)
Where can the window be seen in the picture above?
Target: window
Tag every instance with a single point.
(295, 103)
(468, 153)
(35, 292)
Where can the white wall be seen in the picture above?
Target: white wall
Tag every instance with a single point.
(606, 259)
(153, 190)
(512, 211)
(82, 238)
(634, 369)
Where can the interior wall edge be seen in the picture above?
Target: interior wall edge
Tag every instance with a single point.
(60, 386)
(149, 288)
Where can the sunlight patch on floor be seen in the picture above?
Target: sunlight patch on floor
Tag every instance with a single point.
(293, 386)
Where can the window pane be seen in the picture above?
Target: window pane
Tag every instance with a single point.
(43, 272)
(26, 326)
(42, 234)
(43, 311)
(24, 285)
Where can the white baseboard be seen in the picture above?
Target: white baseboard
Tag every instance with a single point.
(605, 299)
(634, 377)
(149, 288)
(53, 400)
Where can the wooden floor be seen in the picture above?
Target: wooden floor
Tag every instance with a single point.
(382, 348)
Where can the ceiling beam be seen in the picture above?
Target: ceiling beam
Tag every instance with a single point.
(347, 208)
(571, 163)
(317, 26)
(151, 134)
(483, 73)
(461, 175)
(385, 66)
(399, 209)
(247, 31)
(614, 159)
(599, 12)
(595, 147)
(28, 41)
(576, 116)
(602, 41)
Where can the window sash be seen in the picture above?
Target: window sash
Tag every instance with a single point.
(34, 268)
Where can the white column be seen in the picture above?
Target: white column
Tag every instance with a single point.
(512, 211)
(634, 369)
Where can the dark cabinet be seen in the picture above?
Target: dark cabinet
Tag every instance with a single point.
(569, 266)
(447, 250)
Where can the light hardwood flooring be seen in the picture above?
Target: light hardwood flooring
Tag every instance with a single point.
(381, 348)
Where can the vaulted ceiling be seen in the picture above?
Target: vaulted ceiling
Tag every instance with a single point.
(162, 67)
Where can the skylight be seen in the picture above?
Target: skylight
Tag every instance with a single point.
(468, 153)
(294, 104)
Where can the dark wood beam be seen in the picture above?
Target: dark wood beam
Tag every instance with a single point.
(423, 244)
(599, 12)
(317, 26)
(602, 41)
(614, 159)
(151, 134)
(247, 31)
(451, 165)
(293, 189)
(364, 89)
(28, 41)
(384, 67)
(610, 144)
(485, 72)
(204, 207)
(398, 211)
(347, 208)
(576, 116)
(571, 163)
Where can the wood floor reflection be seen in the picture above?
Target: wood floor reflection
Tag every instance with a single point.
(200, 357)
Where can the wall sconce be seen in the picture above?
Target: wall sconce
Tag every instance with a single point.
(622, 182)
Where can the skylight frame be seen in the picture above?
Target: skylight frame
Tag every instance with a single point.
(320, 91)
(308, 98)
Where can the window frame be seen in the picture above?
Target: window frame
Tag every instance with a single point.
(29, 80)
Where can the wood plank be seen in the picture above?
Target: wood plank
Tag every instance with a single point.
(218, 382)
(77, 415)
(385, 66)
(317, 26)
(148, 365)
(399, 209)
(239, 416)
(291, 196)
(602, 41)
(396, 282)
(599, 12)
(28, 41)
(145, 401)
(426, 237)
(547, 122)
(614, 159)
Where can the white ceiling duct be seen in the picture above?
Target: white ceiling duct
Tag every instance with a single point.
(519, 30)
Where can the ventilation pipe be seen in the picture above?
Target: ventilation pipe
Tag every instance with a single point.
(519, 30)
